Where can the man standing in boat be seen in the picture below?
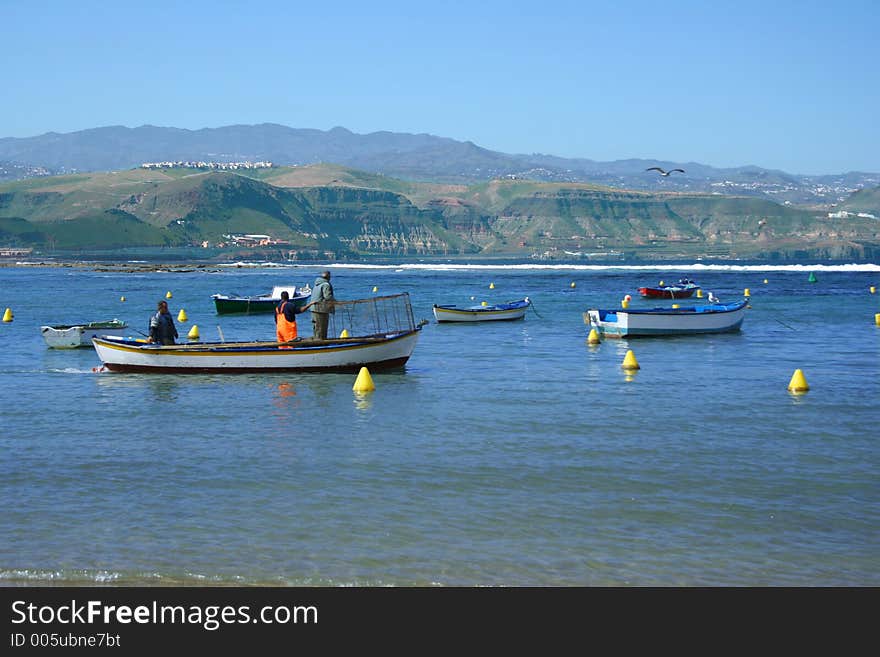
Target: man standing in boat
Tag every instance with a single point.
(162, 329)
(285, 318)
(321, 305)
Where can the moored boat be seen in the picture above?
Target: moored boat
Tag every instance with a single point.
(481, 313)
(383, 336)
(72, 336)
(684, 289)
(708, 318)
(227, 304)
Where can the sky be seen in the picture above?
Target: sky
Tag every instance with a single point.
(777, 84)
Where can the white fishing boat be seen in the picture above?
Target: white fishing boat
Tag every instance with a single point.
(686, 320)
(387, 343)
(72, 336)
(482, 313)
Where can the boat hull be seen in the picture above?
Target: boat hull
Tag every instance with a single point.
(226, 305)
(503, 312)
(693, 320)
(339, 355)
(80, 335)
(668, 292)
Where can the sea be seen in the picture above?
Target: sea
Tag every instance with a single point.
(504, 454)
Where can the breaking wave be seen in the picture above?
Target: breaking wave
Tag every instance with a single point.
(696, 267)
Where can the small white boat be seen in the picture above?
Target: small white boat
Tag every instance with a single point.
(687, 320)
(498, 311)
(72, 336)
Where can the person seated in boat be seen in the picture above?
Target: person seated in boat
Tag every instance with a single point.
(285, 318)
(162, 329)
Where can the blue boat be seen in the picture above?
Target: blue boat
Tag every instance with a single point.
(483, 312)
(687, 320)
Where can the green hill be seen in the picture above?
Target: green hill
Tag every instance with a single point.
(326, 210)
(864, 200)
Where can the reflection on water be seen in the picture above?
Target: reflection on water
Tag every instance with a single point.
(163, 387)
(284, 398)
(286, 390)
(363, 401)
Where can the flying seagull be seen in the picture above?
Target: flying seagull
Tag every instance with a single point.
(662, 172)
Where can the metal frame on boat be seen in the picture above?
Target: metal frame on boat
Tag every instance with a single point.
(688, 320)
(499, 311)
(384, 335)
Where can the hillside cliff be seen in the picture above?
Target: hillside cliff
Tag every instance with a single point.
(331, 211)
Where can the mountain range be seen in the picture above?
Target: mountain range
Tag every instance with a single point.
(411, 157)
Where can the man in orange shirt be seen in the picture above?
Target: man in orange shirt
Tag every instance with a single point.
(285, 319)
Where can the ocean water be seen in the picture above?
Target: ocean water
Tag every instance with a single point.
(504, 454)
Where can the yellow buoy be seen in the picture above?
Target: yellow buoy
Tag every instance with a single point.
(122, 298)
(699, 294)
(747, 293)
(873, 289)
(181, 316)
(798, 382)
(375, 289)
(593, 338)
(344, 333)
(765, 281)
(624, 303)
(876, 319)
(7, 316)
(661, 282)
(630, 362)
(675, 305)
(491, 286)
(572, 284)
(364, 382)
(484, 303)
(193, 332)
(168, 294)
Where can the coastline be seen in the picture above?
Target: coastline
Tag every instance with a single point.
(122, 265)
(122, 268)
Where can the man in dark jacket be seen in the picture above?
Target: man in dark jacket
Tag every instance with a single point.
(321, 305)
(162, 329)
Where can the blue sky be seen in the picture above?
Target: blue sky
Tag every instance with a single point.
(778, 84)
